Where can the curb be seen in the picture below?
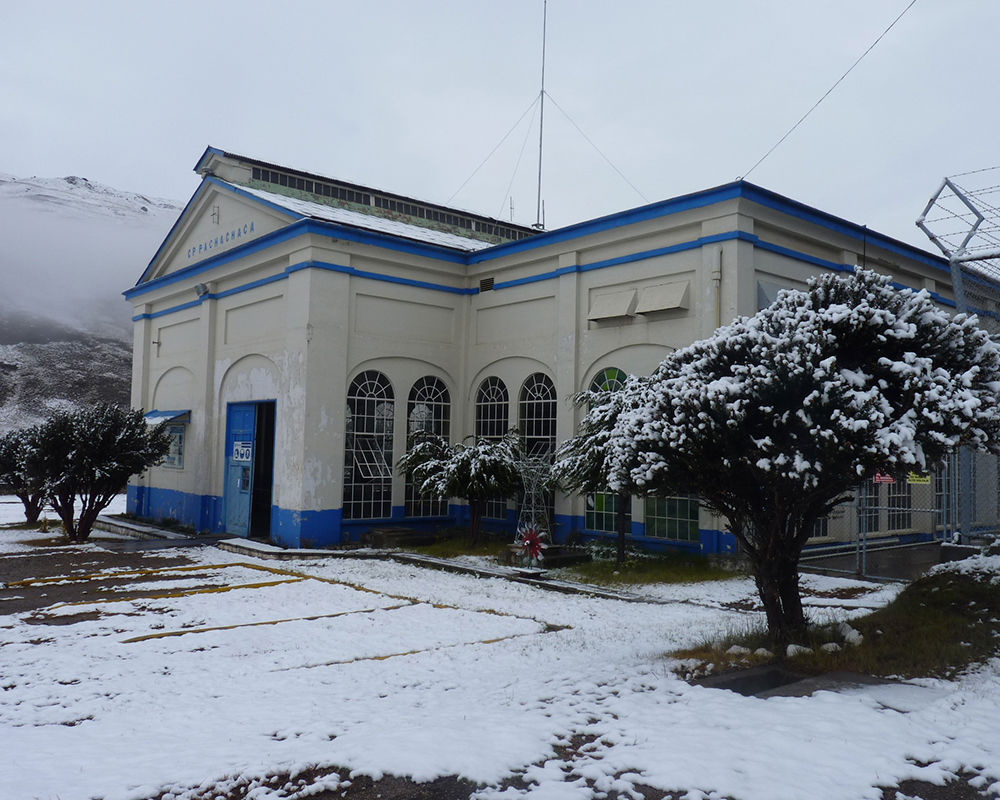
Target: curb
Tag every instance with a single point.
(529, 577)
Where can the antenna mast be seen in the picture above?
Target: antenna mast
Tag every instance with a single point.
(541, 122)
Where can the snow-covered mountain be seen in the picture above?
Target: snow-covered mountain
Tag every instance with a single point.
(68, 248)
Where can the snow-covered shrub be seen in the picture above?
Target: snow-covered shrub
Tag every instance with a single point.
(17, 452)
(777, 417)
(88, 456)
(477, 472)
(580, 463)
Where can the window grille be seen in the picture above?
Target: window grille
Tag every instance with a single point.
(601, 508)
(537, 421)
(428, 411)
(900, 505)
(868, 507)
(492, 422)
(368, 447)
(673, 518)
(537, 415)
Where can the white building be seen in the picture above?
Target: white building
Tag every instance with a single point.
(295, 328)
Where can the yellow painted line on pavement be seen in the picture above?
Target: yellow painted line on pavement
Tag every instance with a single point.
(123, 573)
(290, 575)
(387, 656)
(185, 631)
(200, 568)
(181, 593)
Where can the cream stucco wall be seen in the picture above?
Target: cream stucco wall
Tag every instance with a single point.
(294, 313)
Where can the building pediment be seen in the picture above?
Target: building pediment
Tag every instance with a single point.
(218, 219)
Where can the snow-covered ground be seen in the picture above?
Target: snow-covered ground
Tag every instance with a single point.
(392, 669)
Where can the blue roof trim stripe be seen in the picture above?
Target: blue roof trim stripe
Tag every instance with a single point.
(787, 251)
(739, 189)
(170, 233)
(675, 248)
(240, 251)
(681, 247)
(209, 151)
(793, 208)
(670, 249)
(165, 311)
(206, 181)
(308, 225)
(322, 265)
(821, 262)
(375, 276)
(246, 287)
(662, 208)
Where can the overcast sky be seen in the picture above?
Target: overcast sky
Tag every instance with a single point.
(411, 96)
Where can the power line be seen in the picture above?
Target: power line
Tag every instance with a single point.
(828, 91)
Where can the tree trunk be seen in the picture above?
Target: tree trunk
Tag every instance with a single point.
(85, 524)
(620, 524)
(33, 505)
(476, 508)
(777, 579)
(65, 508)
(791, 599)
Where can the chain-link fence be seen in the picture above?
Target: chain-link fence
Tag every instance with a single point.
(894, 525)
(963, 221)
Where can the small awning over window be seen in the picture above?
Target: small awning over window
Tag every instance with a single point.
(663, 297)
(155, 417)
(611, 306)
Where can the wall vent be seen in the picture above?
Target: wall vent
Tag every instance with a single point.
(486, 284)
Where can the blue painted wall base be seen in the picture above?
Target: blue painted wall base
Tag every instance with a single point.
(294, 529)
(202, 513)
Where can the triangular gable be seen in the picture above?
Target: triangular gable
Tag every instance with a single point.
(218, 218)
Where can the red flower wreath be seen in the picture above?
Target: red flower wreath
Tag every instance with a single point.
(531, 543)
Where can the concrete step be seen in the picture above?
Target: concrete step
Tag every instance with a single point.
(137, 530)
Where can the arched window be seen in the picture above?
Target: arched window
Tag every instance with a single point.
(537, 415)
(492, 422)
(537, 421)
(492, 409)
(368, 447)
(602, 507)
(609, 379)
(428, 411)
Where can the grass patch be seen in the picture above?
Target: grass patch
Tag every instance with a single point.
(936, 627)
(741, 646)
(19, 526)
(459, 543)
(642, 568)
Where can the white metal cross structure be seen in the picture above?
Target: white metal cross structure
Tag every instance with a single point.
(963, 222)
(534, 506)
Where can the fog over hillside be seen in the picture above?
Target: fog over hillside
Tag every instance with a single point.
(68, 248)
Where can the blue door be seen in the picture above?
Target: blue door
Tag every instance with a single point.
(240, 445)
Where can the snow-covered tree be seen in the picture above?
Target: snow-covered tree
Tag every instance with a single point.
(17, 450)
(88, 456)
(777, 417)
(476, 472)
(580, 463)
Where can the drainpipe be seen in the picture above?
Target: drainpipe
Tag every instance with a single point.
(717, 285)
